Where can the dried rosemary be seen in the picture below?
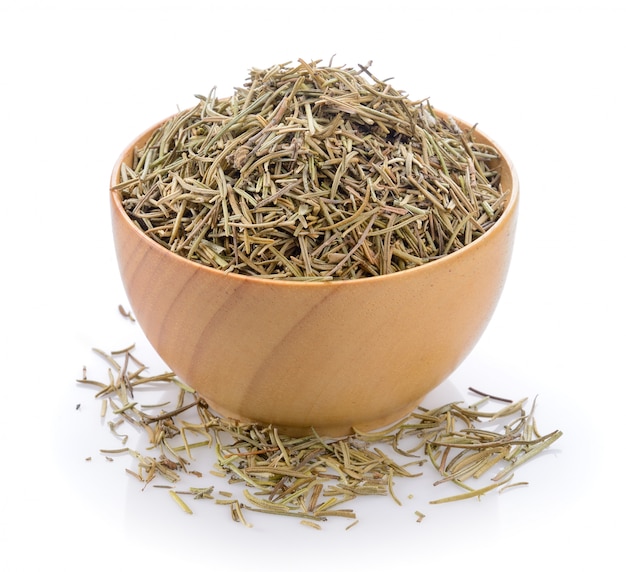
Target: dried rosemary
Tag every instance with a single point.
(311, 478)
(312, 173)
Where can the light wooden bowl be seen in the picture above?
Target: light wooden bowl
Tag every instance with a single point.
(331, 355)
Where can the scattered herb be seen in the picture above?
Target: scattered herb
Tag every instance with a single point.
(312, 173)
(481, 393)
(311, 524)
(126, 313)
(311, 477)
(180, 502)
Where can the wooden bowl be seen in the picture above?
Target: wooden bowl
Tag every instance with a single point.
(330, 355)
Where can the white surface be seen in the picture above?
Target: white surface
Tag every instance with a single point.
(544, 81)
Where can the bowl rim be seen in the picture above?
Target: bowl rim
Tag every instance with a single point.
(509, 212)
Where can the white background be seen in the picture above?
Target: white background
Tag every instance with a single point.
(544, 80)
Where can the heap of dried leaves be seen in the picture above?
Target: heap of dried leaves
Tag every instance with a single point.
(313, 173)
(309, 477)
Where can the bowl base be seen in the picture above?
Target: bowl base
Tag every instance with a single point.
(331, 430)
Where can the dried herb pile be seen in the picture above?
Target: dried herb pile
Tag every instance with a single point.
(312, 173)
(310, 478)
